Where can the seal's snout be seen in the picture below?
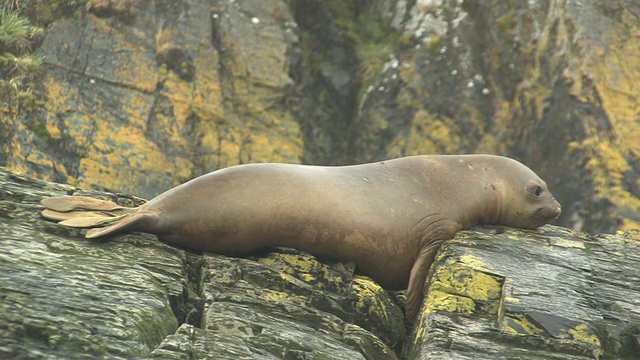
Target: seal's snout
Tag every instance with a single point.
(558, 211)
(550, 210)
(558, 208)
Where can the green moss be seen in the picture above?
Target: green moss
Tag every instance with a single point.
(506, 25)
(324, 100)
(362, 31)
(313, 57)
(435, 45)
(372, 37)
(26, 65)
(46, 14)
(40, 129)
(372, 59)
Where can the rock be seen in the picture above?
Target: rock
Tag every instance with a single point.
(129, 110)
(549, 294)
(549, 83)
(131, 296)
(552, 293)
(141, 96)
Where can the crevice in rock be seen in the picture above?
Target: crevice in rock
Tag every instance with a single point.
(327, 76)
(192, 313)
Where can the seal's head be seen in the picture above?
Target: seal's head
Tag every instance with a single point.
(526, 202)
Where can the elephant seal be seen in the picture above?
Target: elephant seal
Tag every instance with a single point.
(388, 217)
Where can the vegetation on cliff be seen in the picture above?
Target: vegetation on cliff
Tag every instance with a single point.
(18, 65)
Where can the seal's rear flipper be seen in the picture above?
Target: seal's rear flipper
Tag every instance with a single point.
(70, 203)
(90, 221)
(122, 223)
(86, 212)
(61, 216)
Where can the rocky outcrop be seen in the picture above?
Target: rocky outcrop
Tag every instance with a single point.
(134, 297)
(141, 96)
(552, 294)
(118, 114)
(548, 82)
(549, 294)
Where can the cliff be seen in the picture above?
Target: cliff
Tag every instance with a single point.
(140, 96)
(134, 97)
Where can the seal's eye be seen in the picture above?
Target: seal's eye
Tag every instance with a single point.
(535, 190)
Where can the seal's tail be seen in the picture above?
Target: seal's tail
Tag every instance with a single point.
(87, 212)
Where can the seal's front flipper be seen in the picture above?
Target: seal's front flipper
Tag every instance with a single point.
(70, 203)
(417, 279)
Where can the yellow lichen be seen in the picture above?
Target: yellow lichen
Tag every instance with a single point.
(464, 280)
(302, 265)
(206, 99)
(583, 333)
(275, 296)
(19, 157)
(368, 294)
(525, 327)
(473, 262)
(613, 71)
(608, 165)
(432, 134)
(437, 300)
(463, 286)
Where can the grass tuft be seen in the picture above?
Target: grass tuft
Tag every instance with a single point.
(16, 32)
(18, 65)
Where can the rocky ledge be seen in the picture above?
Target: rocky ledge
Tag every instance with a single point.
(493, 293)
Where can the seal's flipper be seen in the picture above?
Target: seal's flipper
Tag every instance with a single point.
(70, 203)
(123, 223)
(61, 216)
(90, 221)
(417, 279)
(87, 212)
